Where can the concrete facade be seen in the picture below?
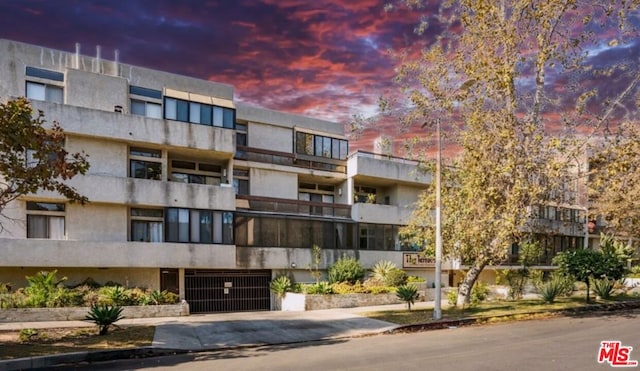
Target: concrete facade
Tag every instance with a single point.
(160, 173)
(173, 193)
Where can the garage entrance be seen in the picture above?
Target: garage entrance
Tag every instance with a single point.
(211, 291)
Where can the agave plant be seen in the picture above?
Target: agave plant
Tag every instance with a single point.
(104, 316)
(280, 286)
(382, 269)
(408, 294)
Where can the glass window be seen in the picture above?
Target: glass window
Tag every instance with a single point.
(154, 110)
(318, 146)
(138, 108)
(326, 147)
(344, 149)
(145, 170)
(194, 112)
(205, 114)
(44, 74)
(199, 226)
(228, 118)
(143, 152)
(183, 110)
(145, 92)
(218, 116)
(171, 108)
(45, 220)
(54, 94)
(35, 91)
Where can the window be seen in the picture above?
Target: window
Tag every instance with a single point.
(45, 92)
(45, 220)
(321, 146)
(379, 237)
(241, 181)
(146, 225)
(365, 194)
(145, 102)
(195, 172)
(49, 91)
(147, 109)
(199, 226)
(266, 231)
(316, 193)
(145, 163)
(198, 113)
(241, 135)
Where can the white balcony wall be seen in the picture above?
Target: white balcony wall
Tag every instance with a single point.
(145, 192)
(382, 167)
(380, 214)
(270, 183)
(106, 158)
(270, 137)
(53, 253)
(94, 90)
(138, 129)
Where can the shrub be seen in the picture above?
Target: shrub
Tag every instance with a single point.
(114, 295)
(27, 334)
(556, 286)
(452, 298)
(280, 286)
(634, 272)
(346, 269)
(342, 288)
(603, 288)
(382, 269)
(171, 298)
(104, 316)
(408, 294)
(479, 292)
(320, 288)
(45, 290)
(415, 279)
(396, 277)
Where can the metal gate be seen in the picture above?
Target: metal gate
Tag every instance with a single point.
(209, 291)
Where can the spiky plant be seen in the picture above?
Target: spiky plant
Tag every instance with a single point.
(408, 294)
(104, 316)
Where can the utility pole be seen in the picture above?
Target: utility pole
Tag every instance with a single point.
(437, 309)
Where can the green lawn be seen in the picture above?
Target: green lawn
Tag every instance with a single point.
(519, 309)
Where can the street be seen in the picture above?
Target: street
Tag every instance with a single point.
(553, 344)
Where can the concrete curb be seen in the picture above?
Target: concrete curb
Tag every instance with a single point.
(145, 352)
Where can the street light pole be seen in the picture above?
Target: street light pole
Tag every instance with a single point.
(437, 309)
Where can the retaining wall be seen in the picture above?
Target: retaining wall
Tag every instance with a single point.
(78, 313)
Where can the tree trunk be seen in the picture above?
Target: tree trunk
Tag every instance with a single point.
(464, 291)
(588, 289)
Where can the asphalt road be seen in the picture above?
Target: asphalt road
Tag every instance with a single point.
(552, 344)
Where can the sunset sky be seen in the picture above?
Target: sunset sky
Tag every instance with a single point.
(325, 58)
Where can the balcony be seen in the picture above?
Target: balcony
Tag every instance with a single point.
(381, 214)
(133, 128)
(60, 253)
(395, 169)
(287, 206)
(289, 159)
(131, 191)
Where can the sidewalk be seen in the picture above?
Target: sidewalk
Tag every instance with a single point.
(202, 332)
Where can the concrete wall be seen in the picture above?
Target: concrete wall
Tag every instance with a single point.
(249, 113)
(139, 130)
(81, 90)
(270, 183)
(60, 253)
(384, 168)
(270, 137)
(105, 157)
(96, 222)
(16, 56)
(79, 313)
(381, 214)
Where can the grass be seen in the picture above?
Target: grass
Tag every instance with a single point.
(67, 340)
(514, 310)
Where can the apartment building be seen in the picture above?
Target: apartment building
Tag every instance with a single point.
(193, 192)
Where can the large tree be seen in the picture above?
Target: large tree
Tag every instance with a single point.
(33, 155)
(509, 82)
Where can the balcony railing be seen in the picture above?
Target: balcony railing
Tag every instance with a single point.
(288, 159)
(285, 206)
